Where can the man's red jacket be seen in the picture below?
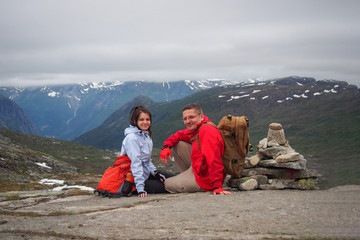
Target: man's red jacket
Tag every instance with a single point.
(206, 162)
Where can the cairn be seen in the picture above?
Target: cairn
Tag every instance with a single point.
(275, 166)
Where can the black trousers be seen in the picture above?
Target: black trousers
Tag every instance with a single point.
(154, 185)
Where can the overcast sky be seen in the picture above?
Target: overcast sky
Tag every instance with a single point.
(65, 41)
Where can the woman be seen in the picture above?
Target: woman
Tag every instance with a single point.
(138, 145)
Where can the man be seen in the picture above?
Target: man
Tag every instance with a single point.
(201, 169)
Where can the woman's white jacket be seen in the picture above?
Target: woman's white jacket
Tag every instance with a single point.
(138, 145)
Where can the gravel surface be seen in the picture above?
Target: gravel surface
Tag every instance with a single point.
(259, 214)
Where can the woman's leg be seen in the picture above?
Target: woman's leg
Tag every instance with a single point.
(154, 185)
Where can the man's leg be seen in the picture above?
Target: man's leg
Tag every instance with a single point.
(183, 182)
(182, 155)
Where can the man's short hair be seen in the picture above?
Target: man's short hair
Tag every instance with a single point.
(193, 106)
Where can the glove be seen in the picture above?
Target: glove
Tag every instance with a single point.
(160, 176)
(220, 191)
(165, 154)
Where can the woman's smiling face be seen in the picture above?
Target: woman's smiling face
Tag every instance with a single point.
(144, 121)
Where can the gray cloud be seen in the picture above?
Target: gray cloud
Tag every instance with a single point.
(50, 42)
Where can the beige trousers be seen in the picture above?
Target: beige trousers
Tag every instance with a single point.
(185, 180)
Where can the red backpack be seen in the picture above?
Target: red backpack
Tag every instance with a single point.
(117, 181)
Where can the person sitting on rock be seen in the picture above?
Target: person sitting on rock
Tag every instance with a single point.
(138, 145)
(201, 169)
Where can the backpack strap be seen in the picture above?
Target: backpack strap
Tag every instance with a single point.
(197, 135)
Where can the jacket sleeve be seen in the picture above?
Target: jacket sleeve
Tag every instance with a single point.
(183, 135)
(132, 149)
(152, 167)
(212, 148)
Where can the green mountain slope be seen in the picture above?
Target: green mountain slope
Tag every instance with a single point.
(86, 159)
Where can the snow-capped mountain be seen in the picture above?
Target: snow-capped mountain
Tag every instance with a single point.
(67, 111)
(293, 101)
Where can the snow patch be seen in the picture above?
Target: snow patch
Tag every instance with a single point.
(53, 94)
(43, 165)
(51, 181)
(237, 97)
(66, 187)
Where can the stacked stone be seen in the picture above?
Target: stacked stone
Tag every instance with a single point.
(275, 166)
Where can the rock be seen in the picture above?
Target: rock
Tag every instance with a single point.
(277, 160)
(303, 184)
(276, 132)
(247, 163)
(280, 173)
(261, 179)
(289, 157)
(249, 185)
(273, 152)
(275, 126)
(236, 182)
(273, 143)
(274, 184)
(263, 143)
(300, 164)
(254, 160)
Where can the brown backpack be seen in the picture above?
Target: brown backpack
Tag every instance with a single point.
(235, 134)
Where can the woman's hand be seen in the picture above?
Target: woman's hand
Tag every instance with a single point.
(143, 194)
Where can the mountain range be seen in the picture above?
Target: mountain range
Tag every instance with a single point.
(321, 119)
(67, 111)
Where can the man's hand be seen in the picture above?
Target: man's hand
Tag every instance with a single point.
(164, 155)
(220, 191)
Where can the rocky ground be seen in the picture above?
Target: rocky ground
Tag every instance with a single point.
(258, 214)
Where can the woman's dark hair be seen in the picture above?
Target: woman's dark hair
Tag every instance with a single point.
(135, 113)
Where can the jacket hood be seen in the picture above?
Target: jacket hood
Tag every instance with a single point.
(133, 129)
